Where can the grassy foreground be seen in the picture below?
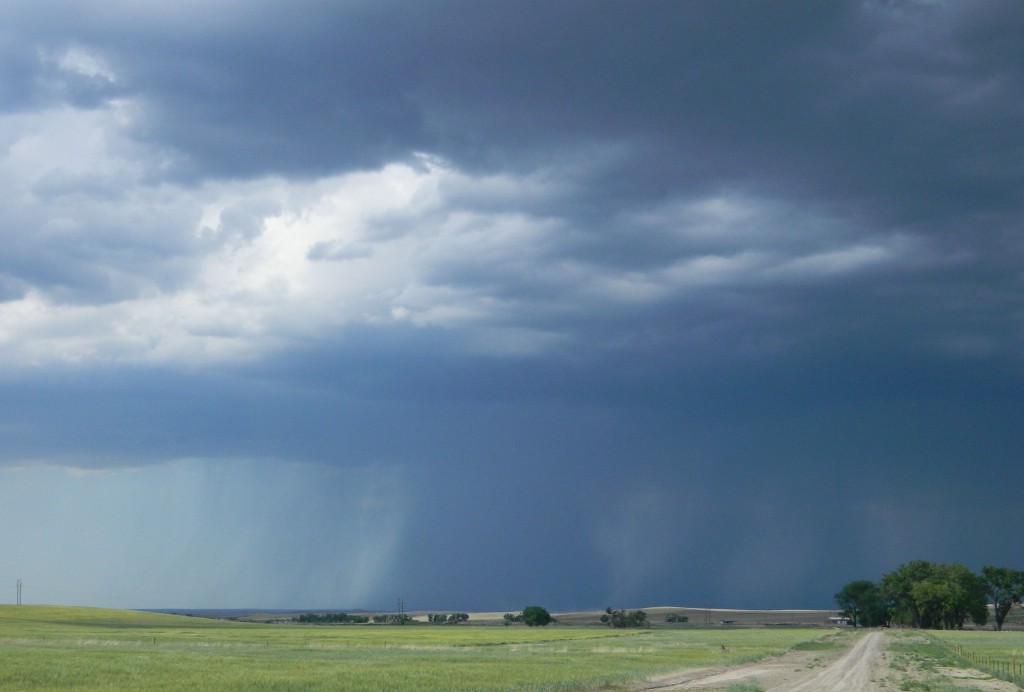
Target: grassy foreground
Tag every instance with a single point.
(44, 648)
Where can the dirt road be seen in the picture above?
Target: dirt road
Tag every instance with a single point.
(853, 671)
(856, 670)
(866, 666)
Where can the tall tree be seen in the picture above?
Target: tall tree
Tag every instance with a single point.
(966, 599)
(862, 602)
(1004, 588)
(897, 587)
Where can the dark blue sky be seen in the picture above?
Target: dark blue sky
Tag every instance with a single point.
(484, 304)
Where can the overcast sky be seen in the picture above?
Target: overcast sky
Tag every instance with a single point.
(485, 304)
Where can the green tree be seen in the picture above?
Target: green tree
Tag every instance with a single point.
(862, 602)
(932, 596)
(929, 597)
(1004, 588)
(897, 586)
(966, 599)
(535, 616)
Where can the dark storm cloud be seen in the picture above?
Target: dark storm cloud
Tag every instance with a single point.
(844, 98)
(907, 113)
(898, 119)
(901, 116)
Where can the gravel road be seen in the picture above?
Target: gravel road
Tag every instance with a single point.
(852, 671)
(797, 671)
(864, 667)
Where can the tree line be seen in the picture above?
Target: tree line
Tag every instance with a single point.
(624, 618)
(927, 595)
(532, 616)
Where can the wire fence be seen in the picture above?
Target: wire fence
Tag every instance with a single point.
(1009, 669)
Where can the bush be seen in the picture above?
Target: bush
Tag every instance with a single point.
(535, 616)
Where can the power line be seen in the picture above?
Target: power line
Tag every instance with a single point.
(36, 588)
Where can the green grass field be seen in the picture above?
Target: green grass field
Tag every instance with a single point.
(44, 648)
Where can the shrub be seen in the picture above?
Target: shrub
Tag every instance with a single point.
(535, 616)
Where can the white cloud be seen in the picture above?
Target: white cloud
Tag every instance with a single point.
(141, 269)
(711, 270)
(233, 269)
(81, 61)
(844, 260)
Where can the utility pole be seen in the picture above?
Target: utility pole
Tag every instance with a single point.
(401, 611)
(19, 592)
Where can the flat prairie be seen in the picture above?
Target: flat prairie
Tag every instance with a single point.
(44, 648)
(49, 647)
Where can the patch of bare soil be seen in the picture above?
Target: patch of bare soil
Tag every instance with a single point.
(976, 680)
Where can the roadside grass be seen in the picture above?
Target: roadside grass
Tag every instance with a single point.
(818, 645)
(929, 660)
(45, 648)
(828, 643)
(745, 687)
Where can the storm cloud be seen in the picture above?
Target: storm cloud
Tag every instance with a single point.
(477, 304)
